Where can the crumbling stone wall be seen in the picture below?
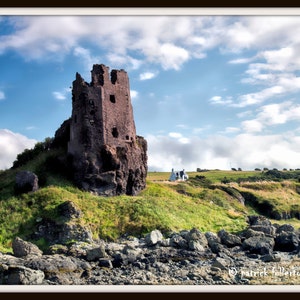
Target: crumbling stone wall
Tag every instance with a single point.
(108, 158)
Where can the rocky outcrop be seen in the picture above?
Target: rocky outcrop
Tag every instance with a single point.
(188, 257)
(113, 170)
(64, 228)
(22, 248)
(26, 181)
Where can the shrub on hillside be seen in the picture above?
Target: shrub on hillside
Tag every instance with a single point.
(29, 154)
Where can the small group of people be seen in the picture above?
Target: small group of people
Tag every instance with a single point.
(178, 175)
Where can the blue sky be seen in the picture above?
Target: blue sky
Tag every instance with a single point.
(208, 91)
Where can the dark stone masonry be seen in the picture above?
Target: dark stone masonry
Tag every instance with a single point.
(107, 157)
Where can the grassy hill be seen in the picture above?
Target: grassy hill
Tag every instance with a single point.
(209, 201)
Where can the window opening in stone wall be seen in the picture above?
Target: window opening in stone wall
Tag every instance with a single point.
(115, 132)
(112, 98)
(127, 137)
(92, 104)
(113, 76)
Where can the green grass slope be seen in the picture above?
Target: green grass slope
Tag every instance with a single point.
(199, 202)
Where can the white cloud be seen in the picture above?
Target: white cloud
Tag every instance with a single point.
(2, 95)
(274, 72)
(261, 32)
(218, 100)
(283, 59)
(244, 114)
(147, 75)
(175, 135)
(133, 94)
(168, 40)
(289, 82)
(184, 140)
(274, 45)
(171, 56)
(279, 113)
(280, 85)
(231, 130)
(179, 137)
(39, 37)
(259, 97)
(61, 95)
(11, 144)
(276, 68)
(240, 36)
(272, 114)
(241, 60)
(154, 37)
(126, 61)
(247, 151)
(252, 126)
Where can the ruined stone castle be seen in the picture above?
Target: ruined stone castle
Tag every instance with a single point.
(107, 157)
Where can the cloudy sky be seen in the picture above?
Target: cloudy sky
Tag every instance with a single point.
(208, 91)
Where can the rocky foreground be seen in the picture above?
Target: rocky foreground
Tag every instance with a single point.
(262, 254)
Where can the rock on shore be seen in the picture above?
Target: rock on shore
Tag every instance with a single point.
(263, 253)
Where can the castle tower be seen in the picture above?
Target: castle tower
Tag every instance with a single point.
(108, 157)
